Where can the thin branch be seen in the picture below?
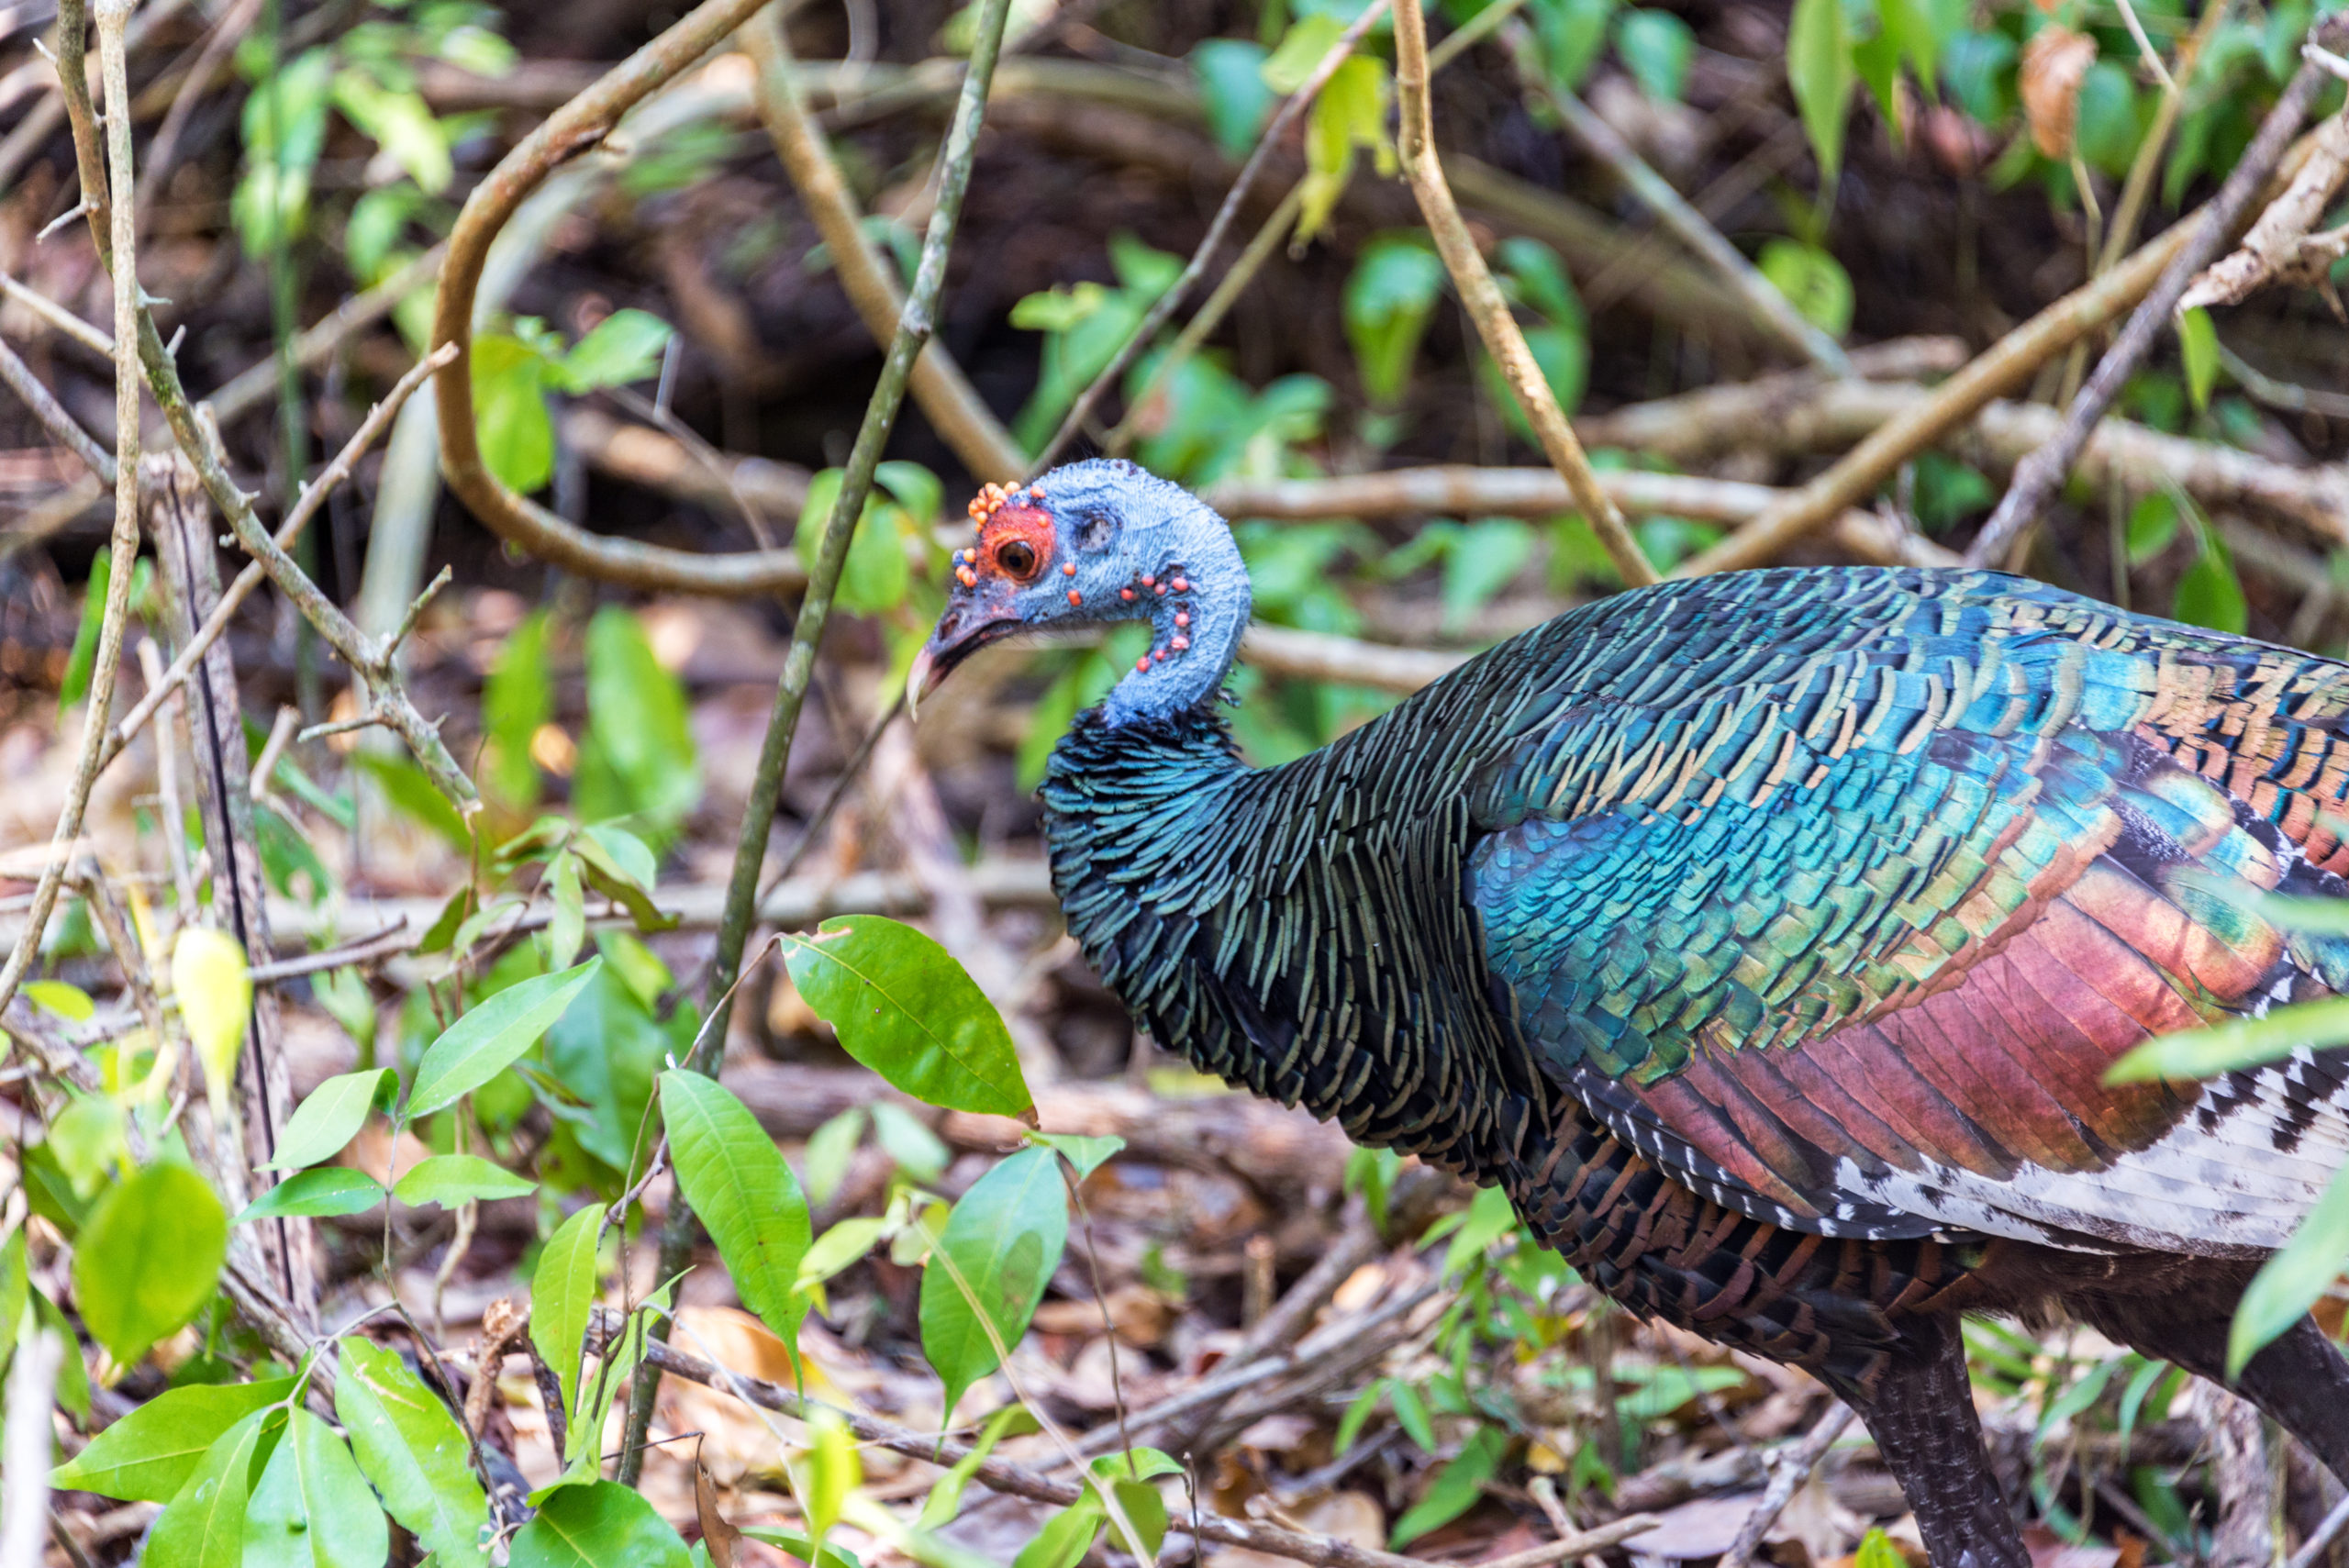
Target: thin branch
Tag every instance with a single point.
(57, 315)
(313, 497)
(1771, 308)
(915, 324)
(1792, 1467)
(62, 427)
(2138, 187)
(944, 393)
(2322, 1537)
(256, 384)
(1487, 304)
(2036, 480)
(123, 240)
(1162, 308)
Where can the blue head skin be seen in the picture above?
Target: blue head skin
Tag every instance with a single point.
(1100, 541)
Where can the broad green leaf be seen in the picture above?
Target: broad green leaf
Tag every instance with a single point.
(836, 1249)
(2198, 344)
(320, 1194)
(827, 1474)
(1483, 559)
(2290, 1283)
(16, 1292)
(1350, 113)
(216, 997)
(1301, 48)
(876, 576)
(87, 1137)
(401, 122)
(148, 1455)
(515, 700)
(567, 926)
(2153, 524)
(1085, 1155)
(1813, 281)
(312, 1509)
(1390, 297)
(517, 433)
(205, 1525)
(148, 1258)
(1819, 69)
(68, 1002)
(601, 1524)
(413, 1450)
(486, 1040)
(1411, 1414)
(988, 1271)
(330, 1117)
(730, 1171)
(905, 1008)
(1067, 1536)
(906, 1138)
(2240, 1042)
(1657, 47)
(1572, 33)
(454, 1179)
(1455, 1488)
(637, 758)
(1233, 90)
(2208, 593)
(408, 791)
(945, 1499)
(625, 346)
(562, 1294)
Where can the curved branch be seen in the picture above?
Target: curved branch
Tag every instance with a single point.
(571, 130)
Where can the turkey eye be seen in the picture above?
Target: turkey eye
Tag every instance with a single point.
(1017, 557)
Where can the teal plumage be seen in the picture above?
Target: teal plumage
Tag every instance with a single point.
(1766, 937)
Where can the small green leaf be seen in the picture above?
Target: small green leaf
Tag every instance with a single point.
(150, 1453)
(517, 698)
(1390, 297)
(1085, 1155)
(562, 1295)
(1819, 69)
(148, 1258)
(409, 792)
(945, 1499)
(1455, 1488)
(2238, 1043)
(1411, 1414)
(1067, 1536)
(454, 1179)
(905, 1008)
(487, 1040)
(1301, 48)
(312, 1509)
(2198, 344)
(517, 434)
(829, 1149)
(319, 1193)
(2208, 593)
(331, 1116)
(205, 1525)
(413, 1450)
(1657, 47)
(216, 997)
(906, 1138)
(1813, 281)
(730, 1171)
(2292, 1280)
(1876, 1550)
(600, 1525)
(55, 996)
(402, 123)
(2153, 524)
(1233, 90)
(82, 661)
(625, 346)
(567, 924)
(987, 1273)
(636, 759)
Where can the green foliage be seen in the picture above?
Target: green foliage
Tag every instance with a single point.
(1558, 333)
(562, 1297)
(312, 1509)
(1349, 115)
(1820, 69)
(148, 1257)
(82, 660)
(2210, 594)
(899, 513)
(204, 1525)
(148, 1454)
(512, 373)
(2197, 343)
(1455, 1488)
(599, 1525)
(1813, 281)
(516, 699)
(1389, 296)
(1572, 33)
(1656, 48)
(320, 1194)
(987, 1271)
(730, 1171)
(408, 1445)
(487, 1040)
(905, 1008)
(1083, 326)
(330, 1117)
(1231, 74)
(451, 1180)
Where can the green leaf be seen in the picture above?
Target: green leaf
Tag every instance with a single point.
(1085, 1155)
(68, 1002)
(2153, 524)
(88, 1139)
(2240, 1042)
(945, 1499)
(905, 1008)
(730, 1171)
(1233, 90)
(216, 997)
(1357, 1416)
(990, 1266)
(562, 1297)
(1876, 1550)
(517, 434)
(205, 1525)
(2290, 1283)
(1813, 281)
(1301, 48)
(320, 1194)
(413, 1450)
(637, 756)
(81, 662)
(1390, 297)
(1455, 1488)
(625, 346)
(515, 700)
(16, 1292)
(1067, 1536)
(148, 1455)
(454, 1180)
(829, 1149)
(2208, 593)
(312, 1507)
(1480, 561)
(331, 1116)
(148, 1258)
(1572, 32)
(402, 123)
(1350, 113)
(876, 577)
(601, 1524)
(1411, 1414)
(408, 790)
(1819, 69)
(487, 1040)
(2197, 343)
(567, 924)
(908, 1139)
(1657, 47)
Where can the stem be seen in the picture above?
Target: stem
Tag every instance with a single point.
(123, 251)
(914, 326)
(1489, 307)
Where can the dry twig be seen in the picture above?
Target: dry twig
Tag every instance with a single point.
(1791, 1468)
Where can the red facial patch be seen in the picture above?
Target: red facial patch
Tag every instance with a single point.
(1015, 543)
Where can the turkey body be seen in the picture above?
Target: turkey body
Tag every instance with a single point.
(1767, 938)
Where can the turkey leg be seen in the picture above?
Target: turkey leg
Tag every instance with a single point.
(1921, 1416)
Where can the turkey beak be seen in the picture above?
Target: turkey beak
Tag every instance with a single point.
(962, 630)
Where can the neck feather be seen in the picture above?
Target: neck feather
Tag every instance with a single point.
(1193, 592)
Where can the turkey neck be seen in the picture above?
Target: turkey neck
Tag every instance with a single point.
(1300, 930)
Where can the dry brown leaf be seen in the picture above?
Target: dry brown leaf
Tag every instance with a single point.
(2055, 62)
